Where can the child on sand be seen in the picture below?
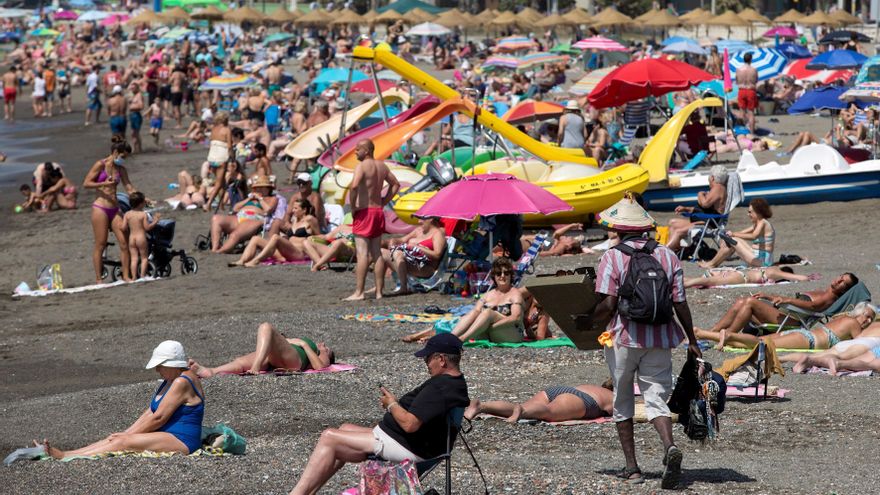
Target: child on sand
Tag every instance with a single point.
(32, 202)
(138, 226)
(155, 114)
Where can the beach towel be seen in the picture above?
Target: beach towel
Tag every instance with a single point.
(21, 292)
(451, 315)
(815, 370)
(333, 368)
(534, 344)
(737, 350)
(205, 451)
(749, 392)
(741, 286)
(572, 422)
(771, 362)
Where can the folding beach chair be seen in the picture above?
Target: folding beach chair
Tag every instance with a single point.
(636, 114)
(454, 420)
(714, 225)
(427, 284)
(795, 317)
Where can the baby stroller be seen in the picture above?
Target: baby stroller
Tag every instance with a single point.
(161, 252)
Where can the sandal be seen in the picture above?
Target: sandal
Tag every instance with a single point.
(632, 476)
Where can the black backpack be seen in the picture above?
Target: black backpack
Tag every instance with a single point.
(645, 296)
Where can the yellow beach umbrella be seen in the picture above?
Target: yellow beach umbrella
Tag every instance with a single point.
(791, 15)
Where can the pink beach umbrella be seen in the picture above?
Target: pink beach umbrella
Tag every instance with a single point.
(600, 43)
(114, 19)
(782, 32)
(65, 15)
(490, 194)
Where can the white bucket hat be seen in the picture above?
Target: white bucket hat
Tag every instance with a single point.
(572, 105)
(169, 354)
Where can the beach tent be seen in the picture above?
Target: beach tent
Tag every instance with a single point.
(404, 6)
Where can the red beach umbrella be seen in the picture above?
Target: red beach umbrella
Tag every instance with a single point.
(367, 86)
(530, 110)
(643, 78)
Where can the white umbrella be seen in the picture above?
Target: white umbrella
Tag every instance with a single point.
(93, 15)
(13, 13)
(428, 29)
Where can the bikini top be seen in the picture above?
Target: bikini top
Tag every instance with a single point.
(102, 176)
(766, 239)
(300, 232)
(427, 243)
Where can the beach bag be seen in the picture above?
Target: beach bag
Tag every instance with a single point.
(389, 478)
(49, 277)
(645, 296)
(226, 438)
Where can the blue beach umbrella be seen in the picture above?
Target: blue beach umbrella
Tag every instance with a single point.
(769, 62)
(793, 51)
(870, 71)
(684, 47)
(837, 59)
(826, 98)
(716, 87)
(330, 76)
(678, 39)
(733, 46)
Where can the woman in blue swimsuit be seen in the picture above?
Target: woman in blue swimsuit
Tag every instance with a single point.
(172, 422)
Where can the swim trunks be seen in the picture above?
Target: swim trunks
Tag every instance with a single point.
(94, 101)
(136, 119)
(117, 124)
(368, 223)
(747, 99)
(9, 95)
(176, 99)
(155, 123)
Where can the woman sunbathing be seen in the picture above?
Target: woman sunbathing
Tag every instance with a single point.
(842, 327)
(192, 192)
(498, 315)
(559, 403)
(753, 245)
(274, 351)
(172, 422)
(338, 244)
(732, 276)
(250, 214)
(279, 247)
(417, 253)
(865, 347)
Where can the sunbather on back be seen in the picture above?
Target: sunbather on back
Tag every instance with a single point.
(715, 277)
(274, 351)
(557, 403)
(842, 327)
(859, 351)
(763, 308)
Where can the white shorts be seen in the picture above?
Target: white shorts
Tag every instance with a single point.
(389, 449)
(653, 368)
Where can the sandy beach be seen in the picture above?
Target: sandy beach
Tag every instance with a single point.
(72, 365)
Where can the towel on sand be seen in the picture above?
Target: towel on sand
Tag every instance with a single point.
(84, 288)
(825, 371)
(205, 451)
(572, 422)
(450, 316)
(771, 361)
(535, 344)
(740, 286)
(333, 368)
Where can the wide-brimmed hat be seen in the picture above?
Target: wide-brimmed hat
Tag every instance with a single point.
(626, 215)
(572, 105)
(169, 354)
(262, 181)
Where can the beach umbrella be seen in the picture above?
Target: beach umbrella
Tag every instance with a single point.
(530, 16)
(793, 51)
(367, 86)
(531, 110)
(769, 62)
(531, 60)
(600, 43)
(837, 59)
(44, 32)
(609, 16)
(316, 17)
(370, 16)
(114, 19)
(733, 46)
(790, 16)
(501, 61)
(555, 20)
(390, 16)
(818, 18)
(506, 19)
(662, 18)
(587, 83)
(92, 15)
(175, 14)
(228, 81)
(490, 194)
(798, 70)
(565, 48)
(716, 87)
(843, 36)
(825, 98)
(782, 32)
(333, 75)
(728, 18)
(418, 16)
(698, 19)
(579, 16)
(753, 16)
(678, 39)
(844, 17)
(870, 71)
(454, 18)
(279, 16)
(428, 29)
(278, 37)
(81, 4)
(243, 14)
(647, 15)
(65, 15)
(515, 43)
(145, 16)
(212, 13)
(868, 92)
(642, 78)
(346, 16)
(684, 47)
(696, 13)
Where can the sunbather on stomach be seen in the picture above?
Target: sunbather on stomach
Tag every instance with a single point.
(762, 308)
(274, 351)
(855, 354)
(557, 403)
(732, 276)
(842, 327)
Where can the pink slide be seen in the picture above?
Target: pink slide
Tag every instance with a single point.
(348, 143)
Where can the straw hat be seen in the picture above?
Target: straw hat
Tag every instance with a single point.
(262, 181)
(572, 105)
(626, 215)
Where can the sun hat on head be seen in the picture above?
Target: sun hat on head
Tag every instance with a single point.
(169, 354)
(263, 181)
(116, 90)
(572, 105)
(627, 216)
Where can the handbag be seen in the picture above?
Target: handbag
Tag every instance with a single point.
(389, 478)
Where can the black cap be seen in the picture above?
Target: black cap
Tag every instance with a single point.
(444, 343)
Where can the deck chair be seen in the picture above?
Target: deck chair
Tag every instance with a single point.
(795, 317)
(454, 420)
(637, 114)
(713, 225)
(525, 265)
(437, 279)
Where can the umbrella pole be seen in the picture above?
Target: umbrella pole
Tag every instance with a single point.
(378, 91)
(451, 138)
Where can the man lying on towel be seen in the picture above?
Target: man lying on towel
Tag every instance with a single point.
(763, 308)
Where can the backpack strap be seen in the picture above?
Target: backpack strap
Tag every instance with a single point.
(625, 248)
(650, 246)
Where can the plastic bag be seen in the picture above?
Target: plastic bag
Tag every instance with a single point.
(389, 478)
(49, 277)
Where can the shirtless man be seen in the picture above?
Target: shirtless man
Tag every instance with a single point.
(747, 80)
(256, 105)
(177, 80)
(10, 90)
(273, 77)
(116, 107)
(259, 133)
(367, 203)
(713, 62)
(713, 201)
(762, 308)
(135, 115)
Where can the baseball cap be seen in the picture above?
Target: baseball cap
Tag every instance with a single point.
(116, 90)
(170, 354)
(444, 343)
(303, 177)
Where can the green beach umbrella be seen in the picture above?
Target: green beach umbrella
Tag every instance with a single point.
(278, 37)
(565, 48)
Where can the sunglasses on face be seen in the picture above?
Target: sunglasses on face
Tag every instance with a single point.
(500, 273)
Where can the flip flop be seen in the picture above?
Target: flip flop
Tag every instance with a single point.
(628, 476)
(27, 453)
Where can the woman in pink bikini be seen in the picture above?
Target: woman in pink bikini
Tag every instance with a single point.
(104, 177)
(417, 253)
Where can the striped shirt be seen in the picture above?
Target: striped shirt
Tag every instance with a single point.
(610, 276)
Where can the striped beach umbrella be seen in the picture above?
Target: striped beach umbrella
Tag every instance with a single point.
(768, 62)
(600, 43)
(798, 70)
(515, 43)
(531, 60)
(588, 82)
(500, 62)
(733, 46)
(229, 81)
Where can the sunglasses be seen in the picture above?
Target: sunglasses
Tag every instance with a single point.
(502, 272)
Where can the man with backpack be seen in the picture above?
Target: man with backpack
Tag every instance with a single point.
(643, 286)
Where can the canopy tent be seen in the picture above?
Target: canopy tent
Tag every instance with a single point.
(404, 6)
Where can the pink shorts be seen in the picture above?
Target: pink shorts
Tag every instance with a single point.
(368, 223)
